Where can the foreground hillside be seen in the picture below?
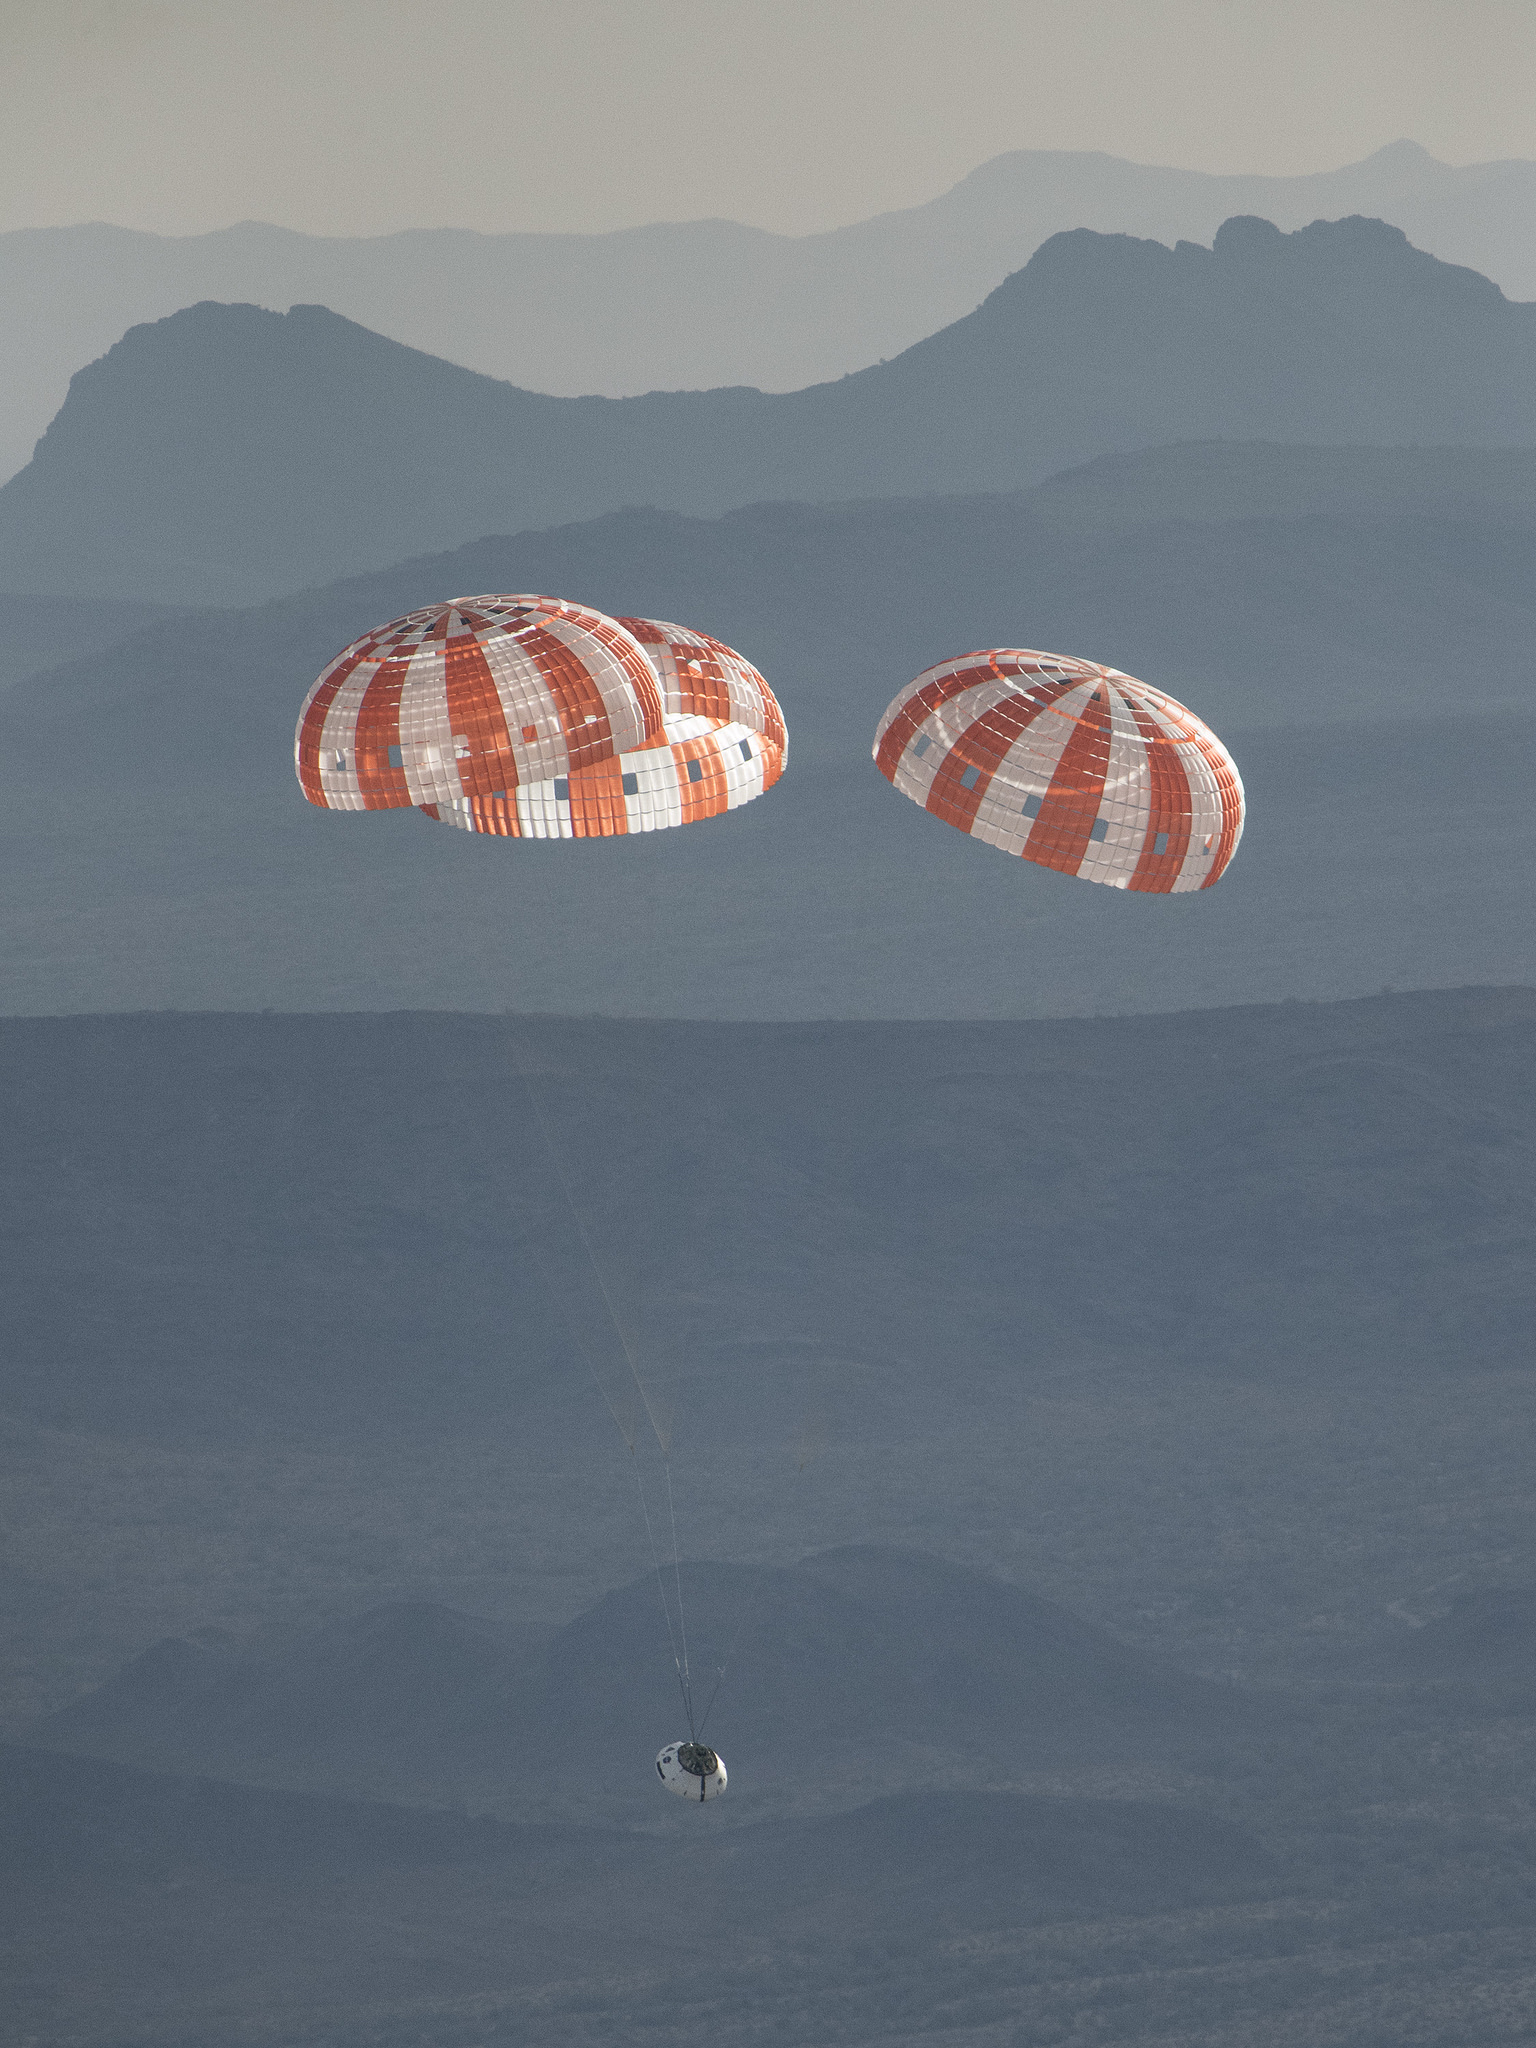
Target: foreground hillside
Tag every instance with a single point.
(227, 454)
(454, 1935)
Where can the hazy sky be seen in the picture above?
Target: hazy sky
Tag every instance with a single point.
(357, 116)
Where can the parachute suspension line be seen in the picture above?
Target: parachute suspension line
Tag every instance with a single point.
(720, 1670)
(719, 1681)
(679, 1661)
(745, 1616)
(677, 1573)
(618, 1421)
(576, 1338)
(666, 1607)
(577, 1219)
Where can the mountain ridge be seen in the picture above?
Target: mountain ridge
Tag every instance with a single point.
(227, 453)
(777, 312)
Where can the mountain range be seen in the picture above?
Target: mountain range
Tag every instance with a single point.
(227, 454)
(572, 314)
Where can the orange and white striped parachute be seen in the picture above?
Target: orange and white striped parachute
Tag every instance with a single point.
(533, 718)
(1069, 764)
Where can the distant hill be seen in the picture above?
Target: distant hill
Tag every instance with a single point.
(1213, 569)
(1214, 483)
(38, 632)
(892, 1669)
(411, 1698)
(872, 1657)
(773, 311)
(226, 453)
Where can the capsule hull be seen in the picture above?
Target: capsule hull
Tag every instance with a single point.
(692, 1771)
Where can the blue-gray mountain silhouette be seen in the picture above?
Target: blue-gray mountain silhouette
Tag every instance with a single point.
(776, 311)
(227, 453)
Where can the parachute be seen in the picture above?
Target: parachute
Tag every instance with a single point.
(533, 718)
(1069, 764)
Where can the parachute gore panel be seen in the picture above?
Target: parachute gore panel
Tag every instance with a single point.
(703, 678)
(530, 717)
(1069, 764)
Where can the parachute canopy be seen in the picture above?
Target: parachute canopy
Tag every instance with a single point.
(1069, 764)
(530, 717)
